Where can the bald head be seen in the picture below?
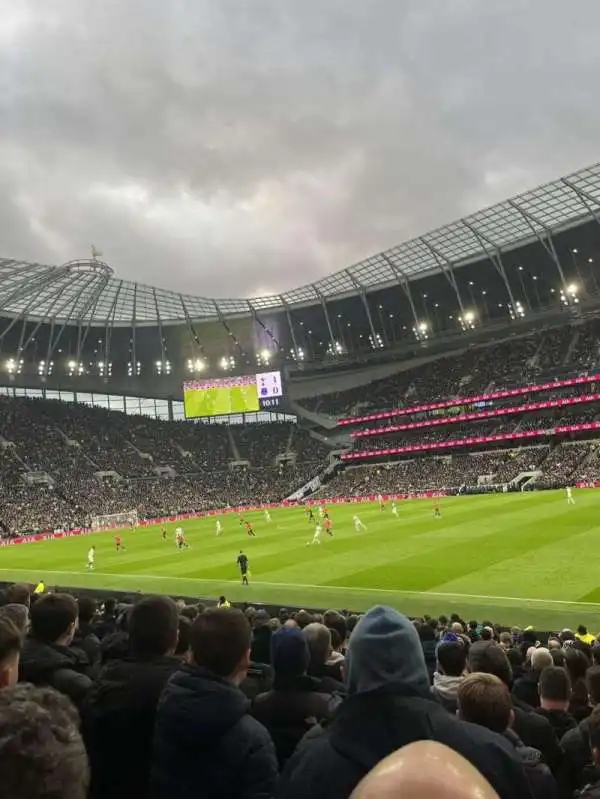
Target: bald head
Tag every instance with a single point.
(424, 770)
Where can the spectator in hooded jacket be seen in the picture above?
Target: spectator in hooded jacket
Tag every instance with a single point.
(318, 638)
(120, 712)
(555, 695)
(10, 649)
(484, 699)
(390, 705)
(296, 702)
(451, 670)
(85, 637)
(47, 657)
(206, 742)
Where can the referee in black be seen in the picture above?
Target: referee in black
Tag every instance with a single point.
(242, 562)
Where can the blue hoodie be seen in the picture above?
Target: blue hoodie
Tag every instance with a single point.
(385, 649)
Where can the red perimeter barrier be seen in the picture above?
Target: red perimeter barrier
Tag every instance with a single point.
(31, 539)
(451, 403)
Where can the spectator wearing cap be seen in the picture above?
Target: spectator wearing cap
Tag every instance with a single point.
(389, 705)
(526, 687)
(296, 703)
(451, 670)
(485, 700)
(555, 693)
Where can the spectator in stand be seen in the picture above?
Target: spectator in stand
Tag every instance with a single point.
(592, 789)
(17, 594)
(532, 729)
(485, 700)
(18, 615)
(205, 739)
(390, 705)
(578, 767)
(583, 635)
(526, 687)
(42, 755)
(119, 714)
(47, 657)
(85, 637)
(106, 622)
(451, 671)
(10, 649)
(555, 694)
(577, 663)
(296, 702)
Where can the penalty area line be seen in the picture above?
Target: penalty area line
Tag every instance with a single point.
(313, 587)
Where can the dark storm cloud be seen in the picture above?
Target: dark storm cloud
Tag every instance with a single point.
(235, 147)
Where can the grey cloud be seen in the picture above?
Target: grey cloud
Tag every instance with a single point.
(228, 148)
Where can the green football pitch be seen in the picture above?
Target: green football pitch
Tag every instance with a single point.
(514, 558)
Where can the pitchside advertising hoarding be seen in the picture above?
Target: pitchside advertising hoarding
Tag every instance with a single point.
(224, 396)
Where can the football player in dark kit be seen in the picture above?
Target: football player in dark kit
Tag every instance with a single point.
(242, 562)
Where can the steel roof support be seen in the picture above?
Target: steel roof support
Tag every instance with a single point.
(110, 323)
(447, 268)
(133, 332)
(404, 284)
(290, 324)
(327, 319)
(160, 330)
(230, 332)
(51, 315)
(549, 245)
(587, 200)
(363, 295)
(262, 324)
(190, 324)
(495, 256)
(46, 279)
(91, 307)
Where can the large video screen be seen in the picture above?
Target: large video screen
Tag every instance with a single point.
(227, 395)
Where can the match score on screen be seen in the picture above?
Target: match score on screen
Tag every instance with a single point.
(227, 395)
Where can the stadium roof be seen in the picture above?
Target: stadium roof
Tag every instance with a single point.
(89, 291)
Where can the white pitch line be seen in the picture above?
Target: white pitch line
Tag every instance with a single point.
(356, 589)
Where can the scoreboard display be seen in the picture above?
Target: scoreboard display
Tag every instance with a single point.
(230, 395)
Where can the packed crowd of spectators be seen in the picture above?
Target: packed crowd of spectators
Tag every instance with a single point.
(559, 466)
(70, 446)
(513, 362)
(152, 697)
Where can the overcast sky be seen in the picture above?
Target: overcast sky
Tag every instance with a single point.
(240, 147)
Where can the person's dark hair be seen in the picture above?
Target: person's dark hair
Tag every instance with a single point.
(582, 629)
(484, 699)
(52, 615)
(10, 639)
(592, 679)
(351, 623)
(443, 620)
(335, 621)
(189, 612)
(577, 664)
(153, 624)
(558, 657)
(472, 625)
(184, 642)
(110, 606)
(87, 609)
(41, 751)
(220, 639)
(593, 727)
(487, 634)
(336, 641)
(488, 657)
(554, 684)
(452, 658)
(17, 614)
(17, 594)
(303, 618)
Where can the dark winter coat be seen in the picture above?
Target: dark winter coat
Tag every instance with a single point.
(578, 768)
(560, 721)
(591, 791)
(390, 705)
(86, 639)
(58, 667)
(207, 744)
(118, 725)
(536, 731)
(288, 711)
(525, 688)
(539, 776)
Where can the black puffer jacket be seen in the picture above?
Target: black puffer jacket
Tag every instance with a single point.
(578, 768)
(539, 776)
(118, 725)
(207, 744)
(56, 666)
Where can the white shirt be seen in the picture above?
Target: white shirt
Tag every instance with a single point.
(218, 525)
(178, 532)
(356, 520)
(569, 492)
(318, 529)
(91, 555)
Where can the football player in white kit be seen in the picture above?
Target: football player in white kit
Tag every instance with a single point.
(218, 527)
(381, 502)
(316, 539)
(90, 559)
(358, 525)
(394, 508)
(267, 516)
(570, 500)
